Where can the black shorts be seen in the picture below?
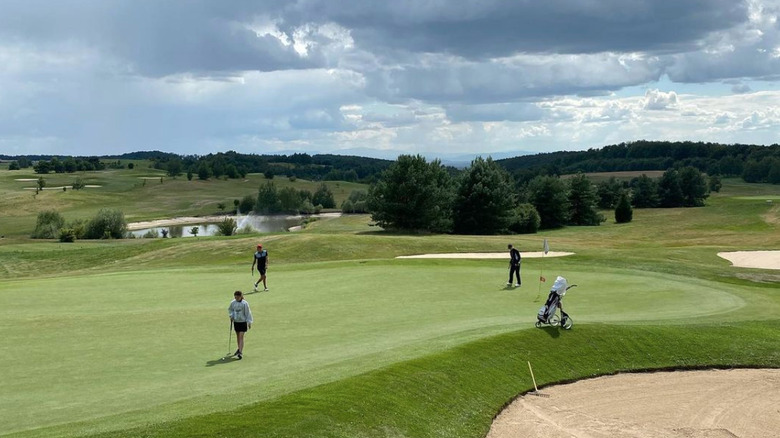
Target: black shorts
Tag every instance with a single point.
(261, 270)
(239, 326)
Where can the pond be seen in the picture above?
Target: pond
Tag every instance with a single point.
(249, 223)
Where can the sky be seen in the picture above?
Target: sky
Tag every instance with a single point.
(441, 78)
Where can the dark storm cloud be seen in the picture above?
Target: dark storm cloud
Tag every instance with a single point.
(156, 38)
(480, 29)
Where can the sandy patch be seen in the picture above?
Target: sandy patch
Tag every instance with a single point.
(690, 404)
(753, 259)
(485, 255)
(25, 179)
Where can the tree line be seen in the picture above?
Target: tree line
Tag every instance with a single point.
(752, 163)
(416, 195)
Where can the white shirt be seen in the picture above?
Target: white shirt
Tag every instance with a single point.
(239, 311)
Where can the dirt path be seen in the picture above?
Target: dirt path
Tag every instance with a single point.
(692, 404)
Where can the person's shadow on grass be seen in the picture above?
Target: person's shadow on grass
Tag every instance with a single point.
(221, 361)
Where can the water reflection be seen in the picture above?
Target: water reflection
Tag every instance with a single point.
(246, 224)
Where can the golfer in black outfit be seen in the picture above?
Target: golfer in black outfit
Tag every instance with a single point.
(514, 265)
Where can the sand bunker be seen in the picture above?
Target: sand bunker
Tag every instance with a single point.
(753, 259)
(485, 255)
(691, 404)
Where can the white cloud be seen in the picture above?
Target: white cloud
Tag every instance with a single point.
(92, 77)
(659, 100)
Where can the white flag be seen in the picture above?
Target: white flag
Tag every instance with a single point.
(546, 247)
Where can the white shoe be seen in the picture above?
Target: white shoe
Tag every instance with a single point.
(517, 284)
(265, 290)
(508, 283)
(255, 288)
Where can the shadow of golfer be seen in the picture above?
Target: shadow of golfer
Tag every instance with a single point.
(221, 361)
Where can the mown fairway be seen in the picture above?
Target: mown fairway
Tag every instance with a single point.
(125, 337)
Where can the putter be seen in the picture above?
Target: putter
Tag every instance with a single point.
(230, 335)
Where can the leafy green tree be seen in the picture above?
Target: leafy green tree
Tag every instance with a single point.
(194, 231)
(485, 199)
(526, 220)
(203, 171)
(670, 191)
(108, 223)
(773, 175)
(130, 166)
(247, 204)
(48, 225)
(582, 202)
(268, 199)
(174, 168)
(14, 165)
(693, 186)
(412, 194)
(189, 175)
(41, 183)
(623, 211)
(644, 192)
(42, 166)
(78, 184)
(355, 203)
(608, 193)
(323, 196)
(715, 183)
(548, 195)
(290, 200)
(221, 206)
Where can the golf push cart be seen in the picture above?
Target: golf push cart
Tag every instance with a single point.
(547, 314)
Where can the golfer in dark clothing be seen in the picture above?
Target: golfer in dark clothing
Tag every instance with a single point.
(261, 259)
(514, 265)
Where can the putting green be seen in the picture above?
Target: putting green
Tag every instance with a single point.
(128, 348)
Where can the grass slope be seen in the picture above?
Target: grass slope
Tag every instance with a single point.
(124, 337)
(456, 393)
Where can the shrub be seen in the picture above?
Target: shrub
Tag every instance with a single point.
(227, 227)
(67, 235)
(526, 220)
(48, 225)
(79, 227)
(107, 224)
(78, 184)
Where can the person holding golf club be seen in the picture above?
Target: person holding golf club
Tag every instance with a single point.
(514, 265)
(241, 318)
(261, 259)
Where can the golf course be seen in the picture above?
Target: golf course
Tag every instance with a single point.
(128, 337)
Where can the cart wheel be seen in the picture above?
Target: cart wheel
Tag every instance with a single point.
(567, 323)
(553, 321)
(538, 324)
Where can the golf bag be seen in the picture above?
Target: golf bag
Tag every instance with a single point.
(547, 314)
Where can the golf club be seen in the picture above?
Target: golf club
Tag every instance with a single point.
(230, 335)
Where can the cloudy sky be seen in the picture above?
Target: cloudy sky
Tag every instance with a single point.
(381, 78)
